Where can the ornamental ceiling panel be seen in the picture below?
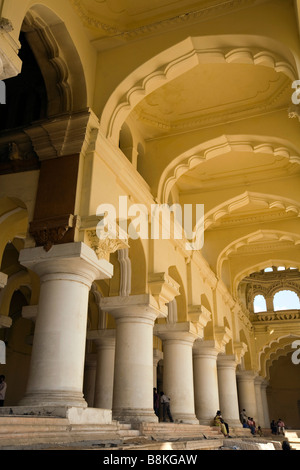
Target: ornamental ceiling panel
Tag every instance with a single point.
(128, 19)
(212, 94)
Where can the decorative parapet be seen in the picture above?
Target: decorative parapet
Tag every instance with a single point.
(279, 316)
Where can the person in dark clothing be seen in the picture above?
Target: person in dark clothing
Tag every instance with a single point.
(155, 401)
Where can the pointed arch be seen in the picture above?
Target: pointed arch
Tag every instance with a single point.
(57, 58)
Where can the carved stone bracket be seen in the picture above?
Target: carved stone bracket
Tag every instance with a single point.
(30, 312)
(5, 321)
(222, 336)
(240, 350)
(63, 135)
(200, 316)
(163, 288)
(48, 232)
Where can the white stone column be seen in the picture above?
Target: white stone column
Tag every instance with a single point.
(133, 377)
(258, 381)
(228, 389)
(205, 355)
(246, 392)
(89, 379)
(267, 421)
(57, 363)
(106, 344)
(178, 383)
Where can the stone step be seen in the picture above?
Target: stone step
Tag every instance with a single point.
(175, 430)
(201, 444)
(36, 430)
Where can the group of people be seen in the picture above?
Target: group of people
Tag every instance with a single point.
(277, 427)
(248, 422)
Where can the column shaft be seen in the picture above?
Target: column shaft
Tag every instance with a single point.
(205, 381)
(105, 370)
(228, 389)
(247, 395)
(133, 376)
(57, 362)
(178, 382)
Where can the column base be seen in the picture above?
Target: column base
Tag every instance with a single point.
(206, 421)
(53, 399)
(75, 415)
(235, 423)
(130, 415)
(184, 418)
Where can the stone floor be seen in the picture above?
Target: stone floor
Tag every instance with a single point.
(52, 434)
(92, 429)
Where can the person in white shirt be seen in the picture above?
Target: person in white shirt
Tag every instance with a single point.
(165, 401)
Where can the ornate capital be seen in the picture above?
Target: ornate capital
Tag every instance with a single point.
(104, 247)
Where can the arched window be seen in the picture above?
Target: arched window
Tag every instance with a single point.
(259, 304)
(268, 270)
(286, 300)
